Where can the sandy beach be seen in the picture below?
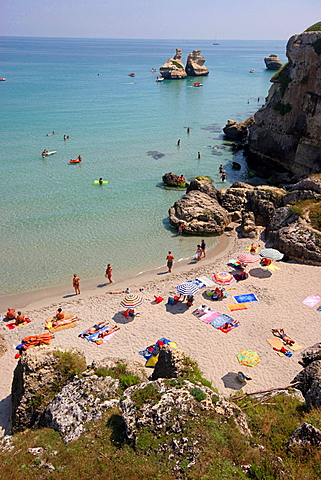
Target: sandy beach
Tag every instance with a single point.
(280, 295)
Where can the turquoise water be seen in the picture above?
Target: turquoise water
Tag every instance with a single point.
(54, 220)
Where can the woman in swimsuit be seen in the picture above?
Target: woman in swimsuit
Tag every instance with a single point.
(76, 284)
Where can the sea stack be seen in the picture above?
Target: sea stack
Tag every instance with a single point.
(272, 62)
(174, 67)
(195, 65)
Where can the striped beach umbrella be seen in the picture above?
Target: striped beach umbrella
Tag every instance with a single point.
(271, 253)
(248, 358)
(223, 278)
(248, 258)
(187, 288)
(131, 300)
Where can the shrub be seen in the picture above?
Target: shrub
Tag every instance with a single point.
(128, 380)
(178, 65)
(69, 364)
(198, 394)
(282, 108)
(148, 394)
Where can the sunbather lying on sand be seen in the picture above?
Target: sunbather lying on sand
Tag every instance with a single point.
(58, 323)
(93, 329)
(281, 334)
(108, 332)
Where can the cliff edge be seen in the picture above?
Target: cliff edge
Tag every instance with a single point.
(287, 130)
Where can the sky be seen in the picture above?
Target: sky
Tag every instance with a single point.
(159, 19)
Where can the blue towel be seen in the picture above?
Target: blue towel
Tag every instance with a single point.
(248, 297)
(221, 320)
(93, 336)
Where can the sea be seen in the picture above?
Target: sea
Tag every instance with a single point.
(54, 220)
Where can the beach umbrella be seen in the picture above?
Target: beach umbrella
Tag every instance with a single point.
(248, 258)
(271, 253)
(248, 358)
(223, 278)
(131, 301)
(187, 288)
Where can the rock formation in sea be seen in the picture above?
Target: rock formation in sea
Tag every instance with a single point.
(174, 67)
(195, 65)
(238, 131)
(273, 62)
(208, 211)
(286, 135)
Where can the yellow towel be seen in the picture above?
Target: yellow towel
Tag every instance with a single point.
(60, 327)
(277, 343)
(237, 306)
(272, 268)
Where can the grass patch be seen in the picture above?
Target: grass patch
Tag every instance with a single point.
(314, 28)
(119, 372)
(177, 64)
(198, 394)
(311, 206)
(192, 372)
(148, 394)
(69, 364)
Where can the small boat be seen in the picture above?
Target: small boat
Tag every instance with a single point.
(50, 153)
(251, 71)
(132, 74)
(153, 70)
(77, 160)
(2, 79)
(197, 84)
(160, 79)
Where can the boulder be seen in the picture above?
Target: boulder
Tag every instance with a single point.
(201, 214)
(3, 345)
(170, 363)
(238, 131)
(204, 186)
(195, 65)
(174, 67)
(310, 384)
(272, 62)
(305, 436)
(248, 227)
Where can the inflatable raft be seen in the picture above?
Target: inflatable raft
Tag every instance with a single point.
(104, 182)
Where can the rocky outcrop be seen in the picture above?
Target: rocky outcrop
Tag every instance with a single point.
(309, 379)
(174, 67)
(305, 436)
(200, 213)
(170, 363)
(3, 345)
(286, 133)
(272, 62)
(238, 131)
(195, 65)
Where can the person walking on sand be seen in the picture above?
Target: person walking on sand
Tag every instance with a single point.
(109, 273)
(199, 252)
(170, 259)
(203, 247)
(76, 284)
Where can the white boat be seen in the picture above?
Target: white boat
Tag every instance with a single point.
(159, 79)
(50, 153)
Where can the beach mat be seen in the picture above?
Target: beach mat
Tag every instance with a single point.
(60, 327)
(197, 282)
(67, 315)
(237, 306)
(295, 347)
(247, 297)
(201, 310)
(276, 343)
(226, 330)
(100, 341)
(221, 320)
(272, 268)
(13, 325)
(208, 282)
(312, 300)
(208, 317)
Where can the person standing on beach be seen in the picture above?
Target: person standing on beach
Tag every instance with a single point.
(76, 284)
(109, 273)
(170, 259)
(199, 252)
(203, 247)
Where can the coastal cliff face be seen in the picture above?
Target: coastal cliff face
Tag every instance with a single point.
(287, 130)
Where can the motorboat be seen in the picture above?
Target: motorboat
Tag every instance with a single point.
(197, 84)
(2, 79)
(132, 74)
(251, 71)
(160, 79)
(153, 70)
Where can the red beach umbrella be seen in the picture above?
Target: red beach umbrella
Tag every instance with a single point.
(248, 258)
(223, 278)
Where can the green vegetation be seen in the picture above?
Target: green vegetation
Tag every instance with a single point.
(69, 365)
(314, 28)
(178, 65)
(282, 77)
(282, 108)
(317, 45)
(148, 394)
(198, 394)
(193, 373)
(103, 452)
(120, 372)
(312, 207)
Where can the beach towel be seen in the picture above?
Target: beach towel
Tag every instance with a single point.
(221, 320)
(197, 282)
(67, 315)
(235, 263)
(312, 300)
(278, 346)
(272, 268)
(151, 353)
(247, 297)
(237, 306)
(100, 341)
(295, 347)
(211, 315)
(198, 312)
(60, 327)
(13, 325)
(207, 281)
(92, 337)
(228, 329)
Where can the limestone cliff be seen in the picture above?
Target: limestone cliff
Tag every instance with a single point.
(286, 135)
(174, 67)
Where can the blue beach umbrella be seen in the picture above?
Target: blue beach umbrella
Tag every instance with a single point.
(187, 288)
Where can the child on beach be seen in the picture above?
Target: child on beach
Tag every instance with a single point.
(109, 273)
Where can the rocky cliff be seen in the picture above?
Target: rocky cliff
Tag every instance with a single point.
(195, 64)
(286, 135)
(272, 62)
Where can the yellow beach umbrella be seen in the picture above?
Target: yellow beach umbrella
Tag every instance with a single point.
(248, 358)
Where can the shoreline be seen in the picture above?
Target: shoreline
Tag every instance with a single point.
(97, 286)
